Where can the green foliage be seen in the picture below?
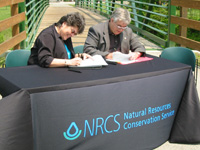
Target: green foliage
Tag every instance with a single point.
(157, 25)
(5, 35)
(2, 62)
(193, 34)
(193, 14)
(197, 54)
(5, 13)
(198, 57)
(1, 38)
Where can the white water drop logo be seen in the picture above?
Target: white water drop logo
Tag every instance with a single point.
(73, 136)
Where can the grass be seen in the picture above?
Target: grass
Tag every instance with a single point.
(5, 13)
(198, 57)
(6, 34)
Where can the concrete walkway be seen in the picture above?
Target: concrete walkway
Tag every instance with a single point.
(58, 9)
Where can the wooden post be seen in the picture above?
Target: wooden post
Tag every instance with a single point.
(15, 28)
(22, 24)
(183, 30)
(171, 26)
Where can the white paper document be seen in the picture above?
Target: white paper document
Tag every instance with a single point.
(120, 58)
(124, 58)
(95, 61)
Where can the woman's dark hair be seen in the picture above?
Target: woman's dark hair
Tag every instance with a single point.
(74, 19)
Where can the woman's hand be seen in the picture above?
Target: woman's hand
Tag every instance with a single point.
(83, 56)
(73, 62)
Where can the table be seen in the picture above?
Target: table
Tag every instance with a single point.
(136, 106)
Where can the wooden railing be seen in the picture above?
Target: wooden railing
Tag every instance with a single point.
(12, 22)
(184, 23)
(145, 19)
(141, 15)
(24, 21)
(35, 10)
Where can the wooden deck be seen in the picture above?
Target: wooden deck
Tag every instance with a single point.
(57, 10)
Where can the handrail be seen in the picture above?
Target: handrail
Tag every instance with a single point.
(147, 16)
(141, 15)
(35, 10)
(30, 15)
(185, 23)
(13, 22)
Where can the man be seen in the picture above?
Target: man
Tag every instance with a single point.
(114, 35)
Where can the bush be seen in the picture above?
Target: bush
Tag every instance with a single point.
(1, 38)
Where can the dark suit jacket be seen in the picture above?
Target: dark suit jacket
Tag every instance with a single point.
(98, 41)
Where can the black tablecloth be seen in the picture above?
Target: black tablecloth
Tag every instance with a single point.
(40, 104)
(33, 78)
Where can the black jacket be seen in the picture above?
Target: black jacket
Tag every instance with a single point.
(49, 45)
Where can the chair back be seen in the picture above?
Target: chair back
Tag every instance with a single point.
(180, 54)
(17, 58)
(78, 49)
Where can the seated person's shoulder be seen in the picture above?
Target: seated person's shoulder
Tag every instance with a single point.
(47, 31)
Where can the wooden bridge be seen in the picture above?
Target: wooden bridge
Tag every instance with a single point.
(57, 10)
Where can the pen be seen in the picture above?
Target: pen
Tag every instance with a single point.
(81, 56)
(112, 63)
(73, 70)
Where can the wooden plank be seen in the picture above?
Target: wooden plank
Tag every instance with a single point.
(7, 23)
(12, 42)
(186, 22)
(195, 45)
(186, 3)
(9, 2)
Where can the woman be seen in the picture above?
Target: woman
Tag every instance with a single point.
(53, 47)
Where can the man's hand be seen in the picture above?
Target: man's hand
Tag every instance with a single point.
(109, 56)
(134, 55)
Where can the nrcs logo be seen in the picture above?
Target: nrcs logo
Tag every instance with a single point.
(73, 136)
(94, 127)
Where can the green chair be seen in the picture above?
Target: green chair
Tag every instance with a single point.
(182, 55)
(78, 49)
(17, 58)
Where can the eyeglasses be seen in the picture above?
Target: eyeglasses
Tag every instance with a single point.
(73, 32)
(119, 27)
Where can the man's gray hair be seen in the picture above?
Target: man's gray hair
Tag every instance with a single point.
(121, 14)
